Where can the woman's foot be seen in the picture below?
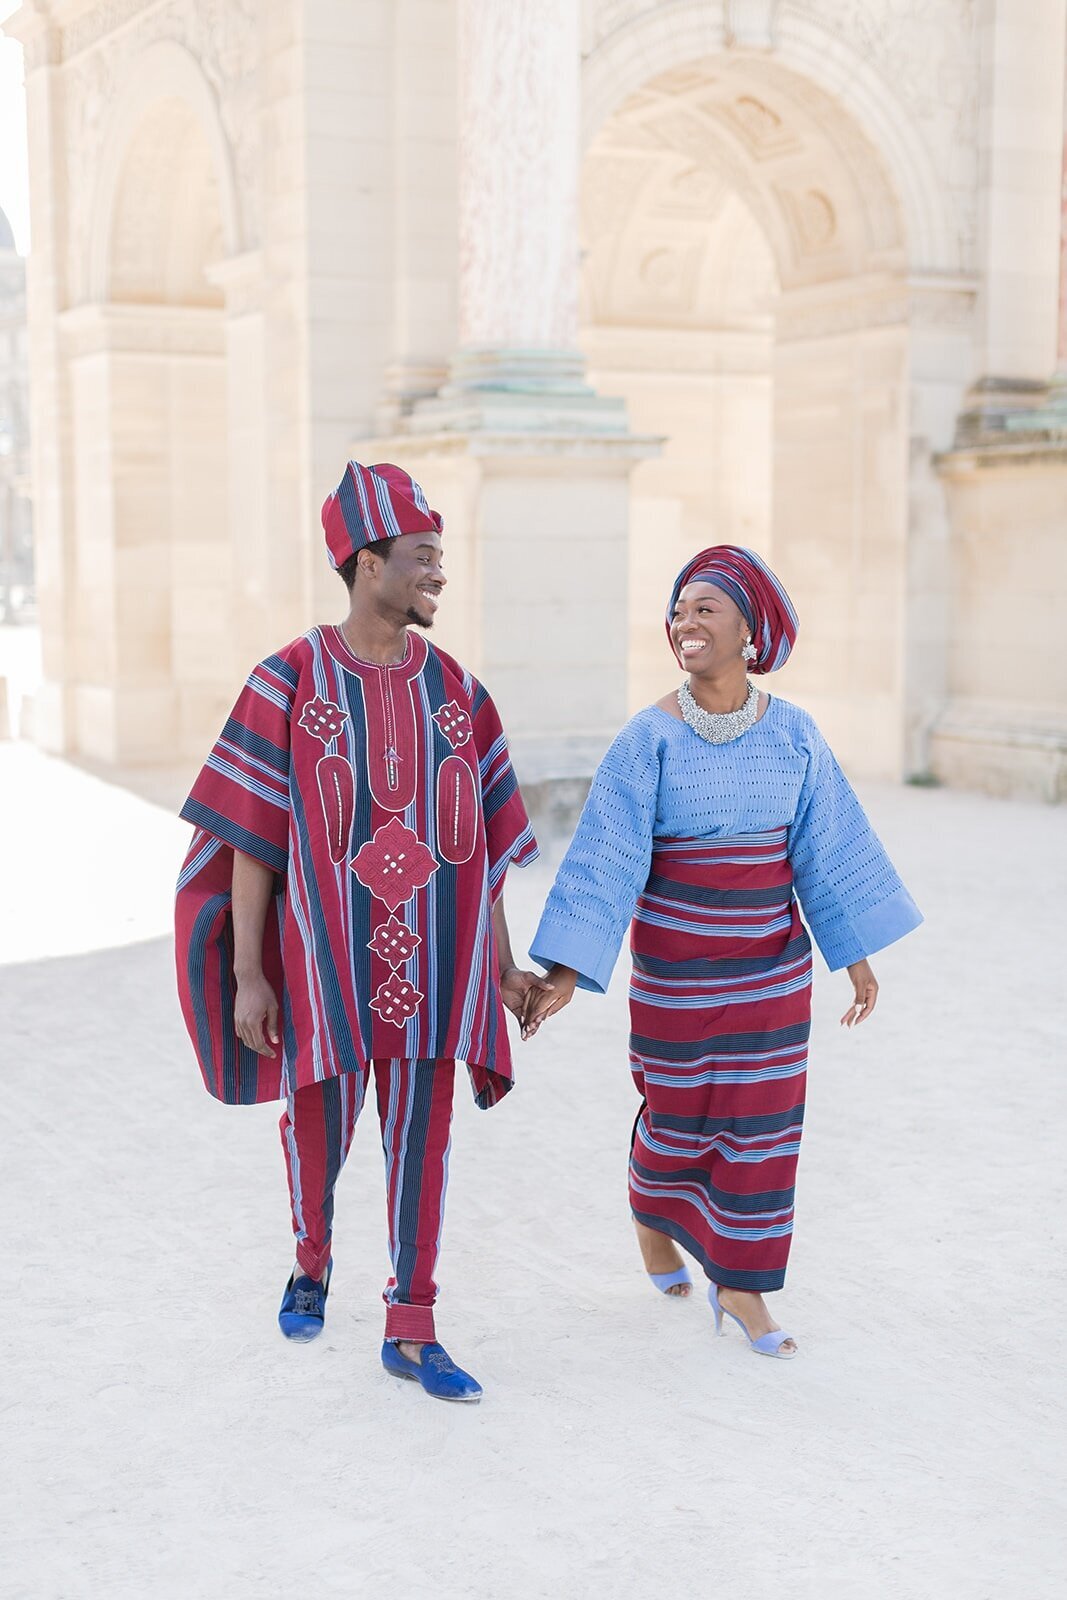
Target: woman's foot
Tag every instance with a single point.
(751, 1311)
(661, 1254)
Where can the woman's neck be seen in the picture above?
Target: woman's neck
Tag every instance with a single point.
(724, 692)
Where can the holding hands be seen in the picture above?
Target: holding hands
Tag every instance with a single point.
(520, 990)
(547, 998)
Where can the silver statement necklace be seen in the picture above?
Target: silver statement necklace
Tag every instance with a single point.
(719, 727)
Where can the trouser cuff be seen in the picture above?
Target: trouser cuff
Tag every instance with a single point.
(410, 1322)
(311, 1261)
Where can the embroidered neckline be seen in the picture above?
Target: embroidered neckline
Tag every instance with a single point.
(339, 648)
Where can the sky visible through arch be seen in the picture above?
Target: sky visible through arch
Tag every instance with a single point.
(14, 167)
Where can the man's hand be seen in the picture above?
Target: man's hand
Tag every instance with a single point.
(865, 989)
(561, 984)
(255, 1014)
(516, 987)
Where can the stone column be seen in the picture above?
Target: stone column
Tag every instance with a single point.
(518, 362)
(1021, 154)
(529, 466)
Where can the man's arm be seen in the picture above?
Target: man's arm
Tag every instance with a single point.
(255, 1011)
(515, 984)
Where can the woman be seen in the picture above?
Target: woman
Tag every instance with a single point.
(712, 812)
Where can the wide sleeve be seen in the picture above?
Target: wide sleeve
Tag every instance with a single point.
(509, 836)
(242, 793)
(852, 898)
(605, 869)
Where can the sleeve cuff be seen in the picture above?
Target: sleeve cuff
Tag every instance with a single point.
(593, 960)
(872, 931)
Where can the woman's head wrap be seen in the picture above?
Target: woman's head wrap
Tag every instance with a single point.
(757, 594)
(372, 503)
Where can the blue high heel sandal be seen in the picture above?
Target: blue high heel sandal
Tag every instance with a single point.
(667, 1280)
(768, 1344)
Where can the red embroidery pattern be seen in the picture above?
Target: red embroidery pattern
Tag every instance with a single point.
(323, 719)
(394, 942)
(394, 864)
(396, 1000)
(455, 723)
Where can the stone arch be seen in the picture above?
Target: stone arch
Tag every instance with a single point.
(645, 48)
(166, 97)
(745, 262)
(149, 370)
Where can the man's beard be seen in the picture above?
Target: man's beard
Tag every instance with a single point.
(420, 622)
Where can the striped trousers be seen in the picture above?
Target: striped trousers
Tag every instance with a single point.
(415, 1112)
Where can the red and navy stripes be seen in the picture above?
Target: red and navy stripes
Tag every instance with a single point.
(324, 757)
(720, 1013)
(415, 1114)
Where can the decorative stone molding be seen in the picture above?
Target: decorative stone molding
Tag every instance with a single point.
(828, 310)
(906, 74)
(142, 330)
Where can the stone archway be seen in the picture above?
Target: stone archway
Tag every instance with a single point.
(148, 386)
(745, 290)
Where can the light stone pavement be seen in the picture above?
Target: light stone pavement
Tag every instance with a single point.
(160, 1438)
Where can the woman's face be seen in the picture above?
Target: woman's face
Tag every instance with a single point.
(707, 629)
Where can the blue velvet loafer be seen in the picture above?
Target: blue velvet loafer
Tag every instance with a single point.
(435, 1370)
(302, 1314)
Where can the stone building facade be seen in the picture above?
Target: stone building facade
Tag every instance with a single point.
(16, 517)
(616, 279)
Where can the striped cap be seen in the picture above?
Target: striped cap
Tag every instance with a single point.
(755, 591)
(372, 503)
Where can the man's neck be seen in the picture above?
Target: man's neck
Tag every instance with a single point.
(375, 638)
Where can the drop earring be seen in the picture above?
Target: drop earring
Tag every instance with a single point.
(749, 652)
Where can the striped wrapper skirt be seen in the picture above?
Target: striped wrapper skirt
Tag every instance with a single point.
(720, 1008)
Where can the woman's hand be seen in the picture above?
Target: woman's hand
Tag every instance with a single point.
(561, 981)
(255, 1014)
(516, 988)
(865, 987)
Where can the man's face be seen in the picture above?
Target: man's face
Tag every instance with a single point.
(410, 580)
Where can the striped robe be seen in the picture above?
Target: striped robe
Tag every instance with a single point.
(384, 799)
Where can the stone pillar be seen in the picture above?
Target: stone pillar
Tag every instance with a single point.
(49, 410)
(529, 466)
(1021, 155)
(424, 136)
(518, 364)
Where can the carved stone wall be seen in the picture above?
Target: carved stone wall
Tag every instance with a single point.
(98, 55)
(912, 64)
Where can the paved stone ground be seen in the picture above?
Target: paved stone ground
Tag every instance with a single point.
(161, 1439)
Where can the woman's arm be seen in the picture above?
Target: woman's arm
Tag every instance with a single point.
(606, 865)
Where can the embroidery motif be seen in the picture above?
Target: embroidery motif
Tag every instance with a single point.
(457, 810)
(394, 864)
(455, 723)
(322, 719)
(337, 796)
(396, 1000)
(394, 942)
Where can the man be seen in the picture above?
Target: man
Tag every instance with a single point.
(340, 910)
